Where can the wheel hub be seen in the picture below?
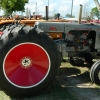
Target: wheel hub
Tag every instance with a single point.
(26, 62)
(27, 68)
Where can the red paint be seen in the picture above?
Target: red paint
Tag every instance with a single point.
(1, 33)
(53, 28)
(26, 76)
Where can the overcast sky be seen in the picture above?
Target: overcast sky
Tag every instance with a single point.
(61, 6)
(55, 6)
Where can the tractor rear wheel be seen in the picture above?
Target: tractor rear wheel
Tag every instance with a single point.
(29, 61)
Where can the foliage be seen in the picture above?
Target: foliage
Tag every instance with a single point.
(12, 5)
(95, 12)
(54, 15)
(69, 15)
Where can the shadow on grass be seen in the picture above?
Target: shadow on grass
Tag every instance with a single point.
(78, 84)
(59, 89)
(55, 92)
(67, 87)
(69, 73)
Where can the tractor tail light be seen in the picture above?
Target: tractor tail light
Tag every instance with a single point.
(1, 33)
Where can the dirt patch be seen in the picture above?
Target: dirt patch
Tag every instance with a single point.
(77, 81)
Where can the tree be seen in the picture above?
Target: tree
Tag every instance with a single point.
(69, 15)
(12, 5)
(95, 12)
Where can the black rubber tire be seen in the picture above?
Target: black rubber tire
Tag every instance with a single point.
(92, 71)
(23, 34)
(88, 58)
(75, 63)
(95, 70)
(2, 27)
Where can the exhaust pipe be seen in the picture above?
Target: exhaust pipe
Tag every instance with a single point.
(46, 12)
(80, 14)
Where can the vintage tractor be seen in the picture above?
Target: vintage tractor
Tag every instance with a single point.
(29, 59)
(31, 56)
(31, 53)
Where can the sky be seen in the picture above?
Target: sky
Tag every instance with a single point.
(58, 6)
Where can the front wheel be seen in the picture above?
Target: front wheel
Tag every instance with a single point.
(29, 62)
(95, 73)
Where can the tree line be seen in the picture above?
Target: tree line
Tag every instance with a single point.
(10, 6)
(93, 13)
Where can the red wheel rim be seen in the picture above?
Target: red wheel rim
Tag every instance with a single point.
(26, 65)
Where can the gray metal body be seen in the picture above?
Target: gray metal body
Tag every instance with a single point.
(77, 38)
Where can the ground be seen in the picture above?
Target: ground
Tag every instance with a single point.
(77, 81)
(72, 83)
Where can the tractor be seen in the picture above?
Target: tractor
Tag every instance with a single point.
(31, 53)
(30, 56)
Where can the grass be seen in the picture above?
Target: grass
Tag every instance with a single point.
(56, 92)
